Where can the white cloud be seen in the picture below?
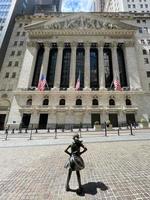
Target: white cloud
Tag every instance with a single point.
(76, 5)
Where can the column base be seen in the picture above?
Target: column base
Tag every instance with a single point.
(87, 89)
(103, 89)
(55, 89)
(71, 89)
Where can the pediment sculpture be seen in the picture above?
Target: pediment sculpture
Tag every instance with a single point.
(80, 22)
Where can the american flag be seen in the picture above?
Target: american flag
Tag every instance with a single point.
(117, 85)
(42, 82)
(78, 83)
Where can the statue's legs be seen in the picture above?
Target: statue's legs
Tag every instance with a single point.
(79, 179)
(68, 179)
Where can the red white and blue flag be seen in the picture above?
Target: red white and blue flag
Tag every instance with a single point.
(117, 85)
(42, 83)
(77, 87)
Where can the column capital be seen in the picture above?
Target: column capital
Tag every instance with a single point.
(87, 44)
(101, 44)
(129, 43)
(114, 44)
(74, 44)
(47, 45)
(60, 44)
(32, 44)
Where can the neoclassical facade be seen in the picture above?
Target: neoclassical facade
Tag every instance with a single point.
(97, 50)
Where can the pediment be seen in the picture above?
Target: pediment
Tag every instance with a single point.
(80, 21)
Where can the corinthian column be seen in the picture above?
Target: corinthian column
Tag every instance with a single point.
(28, 65)
(115, 61)
(101, 66)
(44, 66)
(58, 66)
(73, 65)
(132, 66)
(87, 67)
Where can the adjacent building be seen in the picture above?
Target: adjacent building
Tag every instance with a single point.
(46, 6)
(98, 5)
(142, 6)
(9, 9)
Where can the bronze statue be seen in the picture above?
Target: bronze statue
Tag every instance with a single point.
(75, 162)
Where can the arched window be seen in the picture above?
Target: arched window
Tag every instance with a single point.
(29, 102)
(62, 102)
(111, 102)
(78, 102)
(45, 102)
(95, 102)
(128, 102)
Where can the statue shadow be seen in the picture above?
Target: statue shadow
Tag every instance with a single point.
(91, 188)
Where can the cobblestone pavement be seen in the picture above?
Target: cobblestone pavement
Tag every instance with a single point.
(117, 170)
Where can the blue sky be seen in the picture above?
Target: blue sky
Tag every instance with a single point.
(76, 5)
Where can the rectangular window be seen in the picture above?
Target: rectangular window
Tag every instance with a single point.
(16, 64)
(21, 43)
(18, 53)
(15, 43)
(144, 52)
(146, 61)
(140, 30)
(23, 33)
(12, 53)
(10, 63)
(148, 74)
(14, 75)
(7, 75)
(18, 33)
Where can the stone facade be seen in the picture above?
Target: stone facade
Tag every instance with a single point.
(75, 29)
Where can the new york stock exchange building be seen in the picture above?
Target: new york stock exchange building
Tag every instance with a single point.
(85, 50)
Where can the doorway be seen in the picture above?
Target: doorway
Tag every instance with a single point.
(130, 118)
(113, 118)
(2, 121)
(25, 120)
(95, 117)
(43, 121)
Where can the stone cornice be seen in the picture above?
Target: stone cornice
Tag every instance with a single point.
(114, 33)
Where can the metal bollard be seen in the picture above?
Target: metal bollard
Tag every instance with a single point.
(87, 128)
(56, 132)
(20, 130)
(36, 130)
(48, 130)
(80, 130)
(13, 131)
(6, 132)
(26, 130)
(118, 132)
(105, 129)
(31, 134)
(131, 129)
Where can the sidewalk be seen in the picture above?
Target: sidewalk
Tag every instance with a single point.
(42, 139)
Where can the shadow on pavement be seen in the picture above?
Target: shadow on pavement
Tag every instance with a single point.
(91, 188)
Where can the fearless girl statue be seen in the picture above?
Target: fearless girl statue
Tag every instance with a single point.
(75, 161)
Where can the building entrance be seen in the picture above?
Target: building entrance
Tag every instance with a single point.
(95, 117)
(26, 120)
(43, 121)
(2, 121)
(130, 118)
(113, 118)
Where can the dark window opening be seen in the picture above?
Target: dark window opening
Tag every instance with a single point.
(111, 102)
(108, 68)
(38, 64)
(45, 102)
(128, 102)
(62, 102)
(95, 102)
(65, 73)
(29, 102)
(78, 102)
(51, 67)
(94, 75)
(80, 56)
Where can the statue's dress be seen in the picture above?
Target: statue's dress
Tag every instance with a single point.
(75, 161)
